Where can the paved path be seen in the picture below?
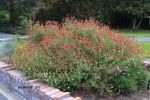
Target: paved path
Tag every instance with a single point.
(144, 39)
(5, 36)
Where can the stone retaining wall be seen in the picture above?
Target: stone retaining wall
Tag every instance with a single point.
(30, 89)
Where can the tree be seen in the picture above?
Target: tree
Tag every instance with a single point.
(106, 12)
(135, 9)
(59, 9)
(13, 7)
(16, 8)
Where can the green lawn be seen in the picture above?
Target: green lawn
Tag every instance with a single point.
(139, 32)
(13, 30)
(146, 48)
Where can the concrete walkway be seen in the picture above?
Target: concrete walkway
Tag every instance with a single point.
(7, 94)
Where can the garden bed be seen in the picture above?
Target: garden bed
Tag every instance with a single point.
(84, 58)
(30, 89)
(140, 95)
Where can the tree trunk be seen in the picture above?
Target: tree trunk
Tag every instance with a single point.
(11, 11)
(11, 19)
(134, 22)
(139, 23)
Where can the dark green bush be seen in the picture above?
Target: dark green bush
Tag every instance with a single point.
(13, 30)
(130, 80)
(22, 21)
(4, 18)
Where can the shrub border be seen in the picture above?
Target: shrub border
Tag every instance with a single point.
(30, 89)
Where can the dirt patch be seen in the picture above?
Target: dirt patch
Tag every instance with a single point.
(142, 95)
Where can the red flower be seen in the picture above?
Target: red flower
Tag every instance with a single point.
(85, 43)
(100, 37)
(101, 46)
(74, 36)
(108, 70)
(66, 44)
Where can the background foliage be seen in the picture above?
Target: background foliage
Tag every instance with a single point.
(4, 17)
(110, 12)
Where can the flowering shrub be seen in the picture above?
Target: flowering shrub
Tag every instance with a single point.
(81, 56)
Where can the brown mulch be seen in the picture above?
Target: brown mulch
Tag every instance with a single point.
(142, 95)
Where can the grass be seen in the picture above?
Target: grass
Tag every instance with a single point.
(139, 32)
(13, 30)
(131, 32)
(146, 48)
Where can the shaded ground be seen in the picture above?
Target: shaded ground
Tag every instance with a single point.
(142, 95)
(13, 30)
